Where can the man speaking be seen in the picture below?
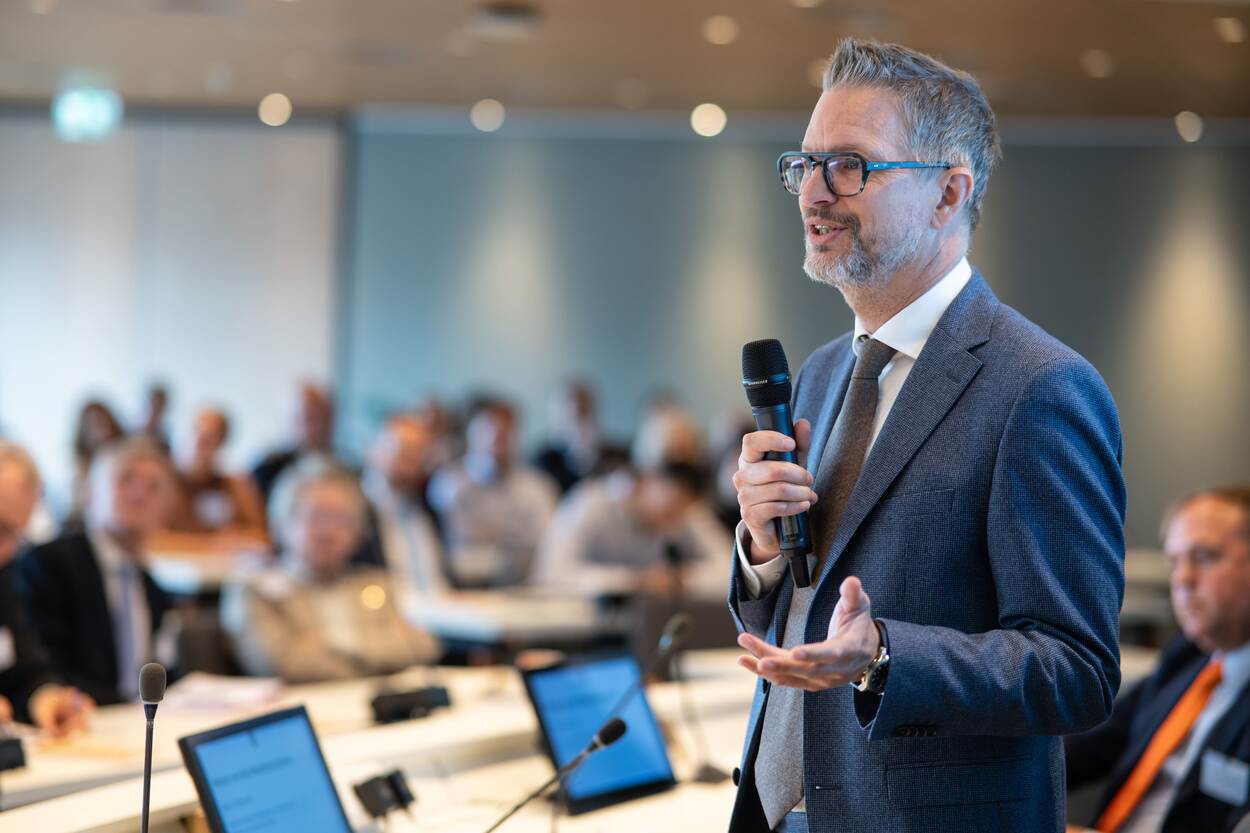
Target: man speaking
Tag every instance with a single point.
(965, 494)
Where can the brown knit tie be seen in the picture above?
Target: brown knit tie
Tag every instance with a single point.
(779, 762)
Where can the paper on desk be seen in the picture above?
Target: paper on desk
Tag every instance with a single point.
(199, 691)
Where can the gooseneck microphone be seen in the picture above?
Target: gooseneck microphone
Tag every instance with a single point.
(608, 734)
(151, 691)
(766, 377)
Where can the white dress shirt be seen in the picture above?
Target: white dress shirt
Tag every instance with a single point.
(124, 587)
(1149, 815)
(907, 332)
(410, 544)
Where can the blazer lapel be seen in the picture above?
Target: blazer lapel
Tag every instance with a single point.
(935, 383)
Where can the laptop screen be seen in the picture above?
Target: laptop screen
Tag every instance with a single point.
(573, 701)
(264, 775)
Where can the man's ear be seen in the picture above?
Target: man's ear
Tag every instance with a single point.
(956, 184)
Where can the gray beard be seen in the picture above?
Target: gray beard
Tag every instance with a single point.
(861, 267)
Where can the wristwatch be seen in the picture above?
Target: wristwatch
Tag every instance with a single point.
(872, 680)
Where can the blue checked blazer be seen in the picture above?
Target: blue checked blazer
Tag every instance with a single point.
(987, 528)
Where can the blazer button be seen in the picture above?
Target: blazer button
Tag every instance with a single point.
(736, 776)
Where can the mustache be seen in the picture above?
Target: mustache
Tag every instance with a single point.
(848, 221)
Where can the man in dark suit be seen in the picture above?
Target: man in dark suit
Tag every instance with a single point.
(90, 596)
(29, 688)
(962, 471)
(1176, 751)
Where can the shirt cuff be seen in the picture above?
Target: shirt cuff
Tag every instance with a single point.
(760, 579)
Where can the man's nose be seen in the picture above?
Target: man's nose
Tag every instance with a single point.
(815, 191)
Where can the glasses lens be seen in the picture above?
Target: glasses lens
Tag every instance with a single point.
(845, 175)
(793, 171)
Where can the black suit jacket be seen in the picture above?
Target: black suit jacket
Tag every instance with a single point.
(1113, 749)
(63, 592)
(30, 667)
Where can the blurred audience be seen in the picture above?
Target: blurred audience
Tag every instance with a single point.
(493, 509)
(575, 447)
(90, 596)
(30, 689)
(725, 447)
(212, 510)
(1174, 752)
(397, 471)
(96, 427)
(668, 433)
(314, 616)
(626, 532)
(155, 411)
(313, 424)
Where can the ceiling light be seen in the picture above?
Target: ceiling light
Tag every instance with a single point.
(275, 109)
(1097, 63)
(816, 72)
(487, 115)
(805, 4)
(708, 120)
(43, 6)
(1230, 29)
(631, 93)
(1189, 125)
(720, 30)
(86, 114)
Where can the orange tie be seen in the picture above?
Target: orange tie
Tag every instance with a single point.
(1169, 736)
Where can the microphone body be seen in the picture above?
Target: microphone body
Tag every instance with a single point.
(766, 377)
(152, 681)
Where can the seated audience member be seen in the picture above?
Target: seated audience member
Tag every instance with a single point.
(396, 474)
(155, 412)
(212, 511)
(1176, 749)
(29, 688)
(625, 532)
(90, 596)
(668, 433)
(314, 436)
(314, 616)
(493, 509)
(726, 447)
(96, 428)
(576, 448)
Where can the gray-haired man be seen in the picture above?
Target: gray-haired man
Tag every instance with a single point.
(962, 470)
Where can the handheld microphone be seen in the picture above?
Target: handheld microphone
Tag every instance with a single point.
(608, 734)
(152, 681)
(766, 377)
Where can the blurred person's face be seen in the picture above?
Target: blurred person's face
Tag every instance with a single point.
(661, 502)
(100, 428)
(131, 498)
(402, 453)
(17, 501)
(324, 528)
(1208, 543)
(862, 241)
(208, 434)
(314, 421)
(492, 433)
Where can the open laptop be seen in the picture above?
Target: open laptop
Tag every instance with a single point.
(572, 700)
(264, 774)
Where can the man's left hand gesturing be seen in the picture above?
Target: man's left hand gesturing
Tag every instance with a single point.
(840, 659)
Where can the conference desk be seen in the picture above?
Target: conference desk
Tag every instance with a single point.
(466, 764)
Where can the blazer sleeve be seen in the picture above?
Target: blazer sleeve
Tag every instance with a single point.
(1055, 543)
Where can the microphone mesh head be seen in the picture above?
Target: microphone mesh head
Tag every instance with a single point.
(152, 683)
(762, 360)
(611, 731)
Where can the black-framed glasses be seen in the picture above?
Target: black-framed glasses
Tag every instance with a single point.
(846, 172)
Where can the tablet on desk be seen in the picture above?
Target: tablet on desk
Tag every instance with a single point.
(262, 775)
(572, 700)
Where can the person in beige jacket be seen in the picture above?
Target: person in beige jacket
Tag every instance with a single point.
(313, 616)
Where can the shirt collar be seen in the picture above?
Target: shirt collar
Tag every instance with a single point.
(1237, 664)
(910, 328)
(108, 553)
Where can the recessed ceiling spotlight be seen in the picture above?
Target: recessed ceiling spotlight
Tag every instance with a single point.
(487, 115)
(708, 120)
(720, 30)
(1097, 63)
(275, 109)
(631, 93)
(1189, 125)
(506, 20)
(1230, 29)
